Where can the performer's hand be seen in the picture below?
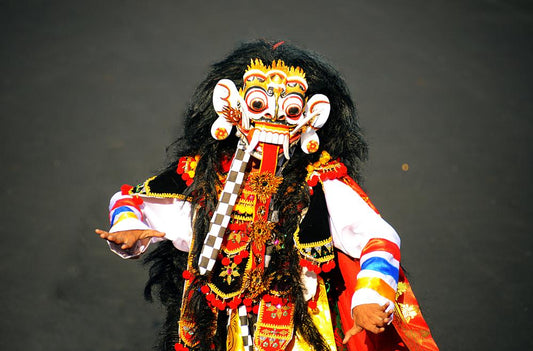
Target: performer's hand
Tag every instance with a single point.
(128, 237)
(371, 317)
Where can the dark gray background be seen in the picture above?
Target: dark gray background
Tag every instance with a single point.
(92, 93)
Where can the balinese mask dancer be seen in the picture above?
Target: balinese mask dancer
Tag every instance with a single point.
(266, 241)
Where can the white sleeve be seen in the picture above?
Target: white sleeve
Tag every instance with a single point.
(354, 224)
(168, 215)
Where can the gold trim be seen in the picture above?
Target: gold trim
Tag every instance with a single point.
(315, 244)
(242, 217)
(220, 294)
(148, 192)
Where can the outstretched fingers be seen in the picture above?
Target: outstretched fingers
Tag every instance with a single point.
(150, 233)
(132, 236)
(128, 238)
(102, 233)
(355, 329)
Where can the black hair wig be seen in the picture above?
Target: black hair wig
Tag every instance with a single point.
(341, 137)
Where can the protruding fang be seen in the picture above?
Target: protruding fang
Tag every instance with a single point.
(254, 141)
(286, 146)
(245, 120)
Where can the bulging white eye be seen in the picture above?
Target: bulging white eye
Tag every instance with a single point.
(293, 106)
(256, 99)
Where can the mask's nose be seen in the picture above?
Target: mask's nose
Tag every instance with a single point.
(278, 113)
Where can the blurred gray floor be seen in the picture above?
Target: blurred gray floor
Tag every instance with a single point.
(92, 93)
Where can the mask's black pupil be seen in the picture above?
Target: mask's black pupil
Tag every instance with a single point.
(293, 111)
(257, 104)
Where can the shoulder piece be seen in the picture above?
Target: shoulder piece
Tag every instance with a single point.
(187, 168)
(171, 183)
(324, 168)
(168, 184)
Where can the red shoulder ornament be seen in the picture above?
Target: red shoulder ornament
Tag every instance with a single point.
(325, 168)
(187, 168)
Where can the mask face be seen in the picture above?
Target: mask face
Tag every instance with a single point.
(270, 108)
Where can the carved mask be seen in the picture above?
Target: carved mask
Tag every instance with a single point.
(270, 108)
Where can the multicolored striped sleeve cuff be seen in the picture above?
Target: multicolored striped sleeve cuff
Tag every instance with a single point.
(125, 213)
(378, 279)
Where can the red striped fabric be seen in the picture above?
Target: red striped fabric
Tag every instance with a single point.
(379, 244)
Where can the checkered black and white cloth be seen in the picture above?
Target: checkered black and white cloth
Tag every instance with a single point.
(247, 341)
(221, 217)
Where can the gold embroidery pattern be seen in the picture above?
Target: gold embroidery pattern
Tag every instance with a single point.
(221, 294)
(264, 184)
(402, 287)
(261, 232)
(403, 310)
(235, 237)
(276, 312)
(230, 272)
(408, 312)
(274, 329)
(255, 283)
